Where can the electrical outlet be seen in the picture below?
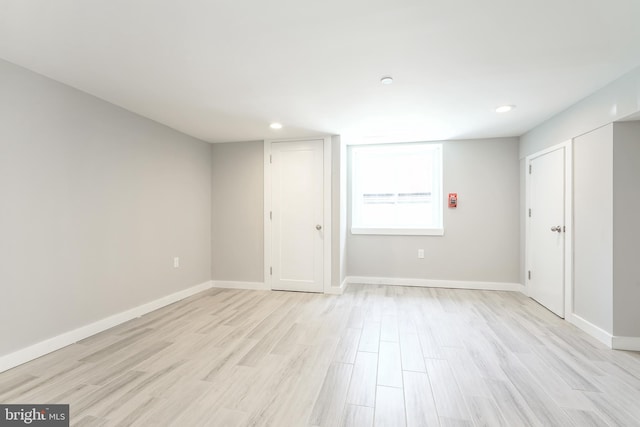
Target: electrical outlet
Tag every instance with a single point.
(176, 262)
(421, 253)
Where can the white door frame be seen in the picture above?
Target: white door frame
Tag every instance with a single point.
(568, 222)
(326, 208)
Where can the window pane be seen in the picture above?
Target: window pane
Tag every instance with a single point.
(397, 186)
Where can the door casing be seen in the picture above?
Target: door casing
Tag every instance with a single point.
(327, 211)
(568, 223)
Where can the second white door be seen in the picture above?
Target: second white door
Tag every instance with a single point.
(547, 229)
(297, 216)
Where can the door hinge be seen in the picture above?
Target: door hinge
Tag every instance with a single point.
(270, 271)
(529, 212)
(270, 158)
(564, 228)
(530, 168)
(529, 275)
(270, 214)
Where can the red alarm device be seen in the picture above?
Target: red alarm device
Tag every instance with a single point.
(453, 200)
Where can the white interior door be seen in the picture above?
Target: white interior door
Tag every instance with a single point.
(546, 251)
(297, 216)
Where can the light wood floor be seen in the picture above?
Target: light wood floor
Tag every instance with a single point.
(383, 356)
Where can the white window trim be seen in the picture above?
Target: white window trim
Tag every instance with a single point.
(401, 231)
(398, 231)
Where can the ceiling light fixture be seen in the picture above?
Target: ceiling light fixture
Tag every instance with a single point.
(386, 80)
(505, 108)
(275, 126)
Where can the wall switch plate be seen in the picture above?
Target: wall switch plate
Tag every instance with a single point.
(421, 253)
(176, 262)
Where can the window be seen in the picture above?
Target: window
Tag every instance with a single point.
(396, 189)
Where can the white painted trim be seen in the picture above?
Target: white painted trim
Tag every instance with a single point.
(429, 283)
(399, 231)
(267, 213)
(438, 194)
(567, 146)
(327, 161)
(34, 351)
(327, 214)
(626, 343)
(600, 334)
(568, 221)
(337, 290)
(256, 286)
(523, 288)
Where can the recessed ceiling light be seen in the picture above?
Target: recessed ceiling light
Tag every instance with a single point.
(386, 80)
(275, 126)
(505, 108)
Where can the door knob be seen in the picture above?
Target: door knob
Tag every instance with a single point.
(558, 229)
(318, 227)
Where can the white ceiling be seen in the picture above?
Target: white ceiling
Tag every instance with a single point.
(222, 70)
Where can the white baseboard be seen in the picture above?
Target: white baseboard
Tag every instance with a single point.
(261, 286)
(337, 290)
(256, 286)
(428, 283)
(600, 334)
(34, 351)
(626, 343)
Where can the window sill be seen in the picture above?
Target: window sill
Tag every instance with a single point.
(399, 231)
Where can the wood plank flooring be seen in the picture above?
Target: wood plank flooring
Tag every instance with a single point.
(375, 356)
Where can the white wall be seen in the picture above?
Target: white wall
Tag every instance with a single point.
(615, 101)
(237, 230)
(593, 227)
(522, 207)
(95, 203)
(626, 229)
(606, 235)
(481, 240)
